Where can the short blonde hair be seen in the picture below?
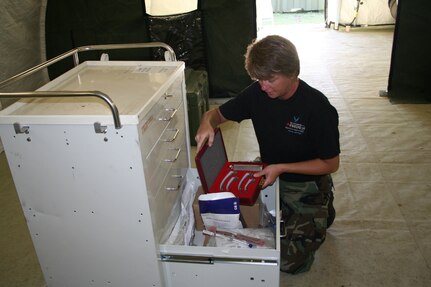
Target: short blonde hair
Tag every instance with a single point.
(271, 55)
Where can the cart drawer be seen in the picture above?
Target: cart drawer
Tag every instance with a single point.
(224, 266)
(156, 121)
(165, 205)
(164, 149)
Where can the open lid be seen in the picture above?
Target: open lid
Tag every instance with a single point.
(210, 161)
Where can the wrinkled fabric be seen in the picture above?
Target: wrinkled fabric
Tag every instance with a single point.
(183, 32)
(305, 213)
(21, 43)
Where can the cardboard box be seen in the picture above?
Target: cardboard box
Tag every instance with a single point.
(217, 174)
(250, 215)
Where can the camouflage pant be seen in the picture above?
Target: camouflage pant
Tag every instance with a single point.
(304, 208)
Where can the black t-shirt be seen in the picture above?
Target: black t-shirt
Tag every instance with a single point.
(304, 127)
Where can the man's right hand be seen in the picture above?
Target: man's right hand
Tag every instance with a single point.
(205, 133)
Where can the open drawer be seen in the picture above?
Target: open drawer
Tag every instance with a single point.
(223, 266)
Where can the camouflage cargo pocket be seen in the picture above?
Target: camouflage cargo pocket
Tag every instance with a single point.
(304, 212)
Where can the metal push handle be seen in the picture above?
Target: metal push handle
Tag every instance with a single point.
(74, 53)
(55, 94)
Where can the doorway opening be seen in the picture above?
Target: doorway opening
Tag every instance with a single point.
(276, 13)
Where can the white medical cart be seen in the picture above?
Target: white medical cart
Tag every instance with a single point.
(100, 157)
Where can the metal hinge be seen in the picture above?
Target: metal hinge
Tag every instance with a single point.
(21, 129)
(99, 129)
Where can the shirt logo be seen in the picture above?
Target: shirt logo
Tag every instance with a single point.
(294, 126)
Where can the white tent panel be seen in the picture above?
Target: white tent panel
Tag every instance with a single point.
(281, 6)
(169, 7)
(363, 13)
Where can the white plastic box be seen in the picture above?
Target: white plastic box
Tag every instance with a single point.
(101, 200)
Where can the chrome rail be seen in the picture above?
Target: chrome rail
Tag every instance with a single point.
(56, 94)
(75, 53)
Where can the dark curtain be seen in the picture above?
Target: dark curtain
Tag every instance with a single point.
(70, 24)
(229, 26)
(183, 32)
(411, 54)
(214, 38)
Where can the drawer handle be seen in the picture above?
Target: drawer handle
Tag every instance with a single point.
(187, 259)
(178, 186)
(213, 260)
(171, 111)
(176, 155)
(166, 96)
(174, 137)
(283, 229)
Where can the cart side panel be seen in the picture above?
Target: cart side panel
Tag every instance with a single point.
(83, 196)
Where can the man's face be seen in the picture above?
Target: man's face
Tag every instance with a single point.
(279, 86)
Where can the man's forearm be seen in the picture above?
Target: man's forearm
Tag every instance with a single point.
(214, 118)
(312, 167)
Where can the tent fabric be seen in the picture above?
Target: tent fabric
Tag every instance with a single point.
(359, 13)
(71, 24)
(81, 22)
(229, 26)
(283, 6)
(411, 57)
(21, 43)
(226, 27)
(393, 6)
(168, 7)
(183, 32)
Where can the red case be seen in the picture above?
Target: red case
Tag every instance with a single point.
(218, 174)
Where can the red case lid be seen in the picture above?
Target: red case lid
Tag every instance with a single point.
(210, 161)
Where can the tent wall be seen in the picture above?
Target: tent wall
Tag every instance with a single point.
(183, 32)
(33, 31)
(71, 24)
(74, 23)
(21, 43)
(281, 6)
(229, 26)
(358, 13)
(411, 56)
